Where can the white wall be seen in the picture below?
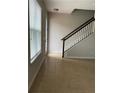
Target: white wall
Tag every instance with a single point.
(62, 24)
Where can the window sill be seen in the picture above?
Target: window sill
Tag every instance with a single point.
(32, 60)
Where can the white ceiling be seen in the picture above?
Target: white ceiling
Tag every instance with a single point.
(67, 6)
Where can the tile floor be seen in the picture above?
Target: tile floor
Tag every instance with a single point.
(65, 76)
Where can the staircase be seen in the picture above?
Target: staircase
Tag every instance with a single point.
(80, 33)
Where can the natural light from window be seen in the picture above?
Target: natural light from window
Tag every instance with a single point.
(35, 29)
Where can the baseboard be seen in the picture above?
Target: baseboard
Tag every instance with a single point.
(31, 82)
(80, 57)
(55, 54)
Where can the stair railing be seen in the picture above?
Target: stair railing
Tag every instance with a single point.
(77, 35)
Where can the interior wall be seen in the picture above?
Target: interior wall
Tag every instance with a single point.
(62, 24)
(84, 49)
(34, 67)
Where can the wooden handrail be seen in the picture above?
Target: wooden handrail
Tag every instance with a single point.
(78, 28)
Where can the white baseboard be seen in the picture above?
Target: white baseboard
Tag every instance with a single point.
(30, 84)
(80, 57)
(55, 54)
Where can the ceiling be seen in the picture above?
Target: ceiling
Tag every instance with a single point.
(67, 6)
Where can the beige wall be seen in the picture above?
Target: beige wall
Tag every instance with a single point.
(34, 67)
(62, 24)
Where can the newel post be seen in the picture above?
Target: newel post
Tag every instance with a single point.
(63, 48)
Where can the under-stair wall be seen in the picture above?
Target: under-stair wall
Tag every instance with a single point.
(84, 49)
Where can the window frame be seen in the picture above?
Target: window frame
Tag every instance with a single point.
(31, 60)
(46, 33)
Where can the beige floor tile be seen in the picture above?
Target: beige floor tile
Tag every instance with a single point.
(65, 76)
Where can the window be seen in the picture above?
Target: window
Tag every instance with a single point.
(35, 29)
